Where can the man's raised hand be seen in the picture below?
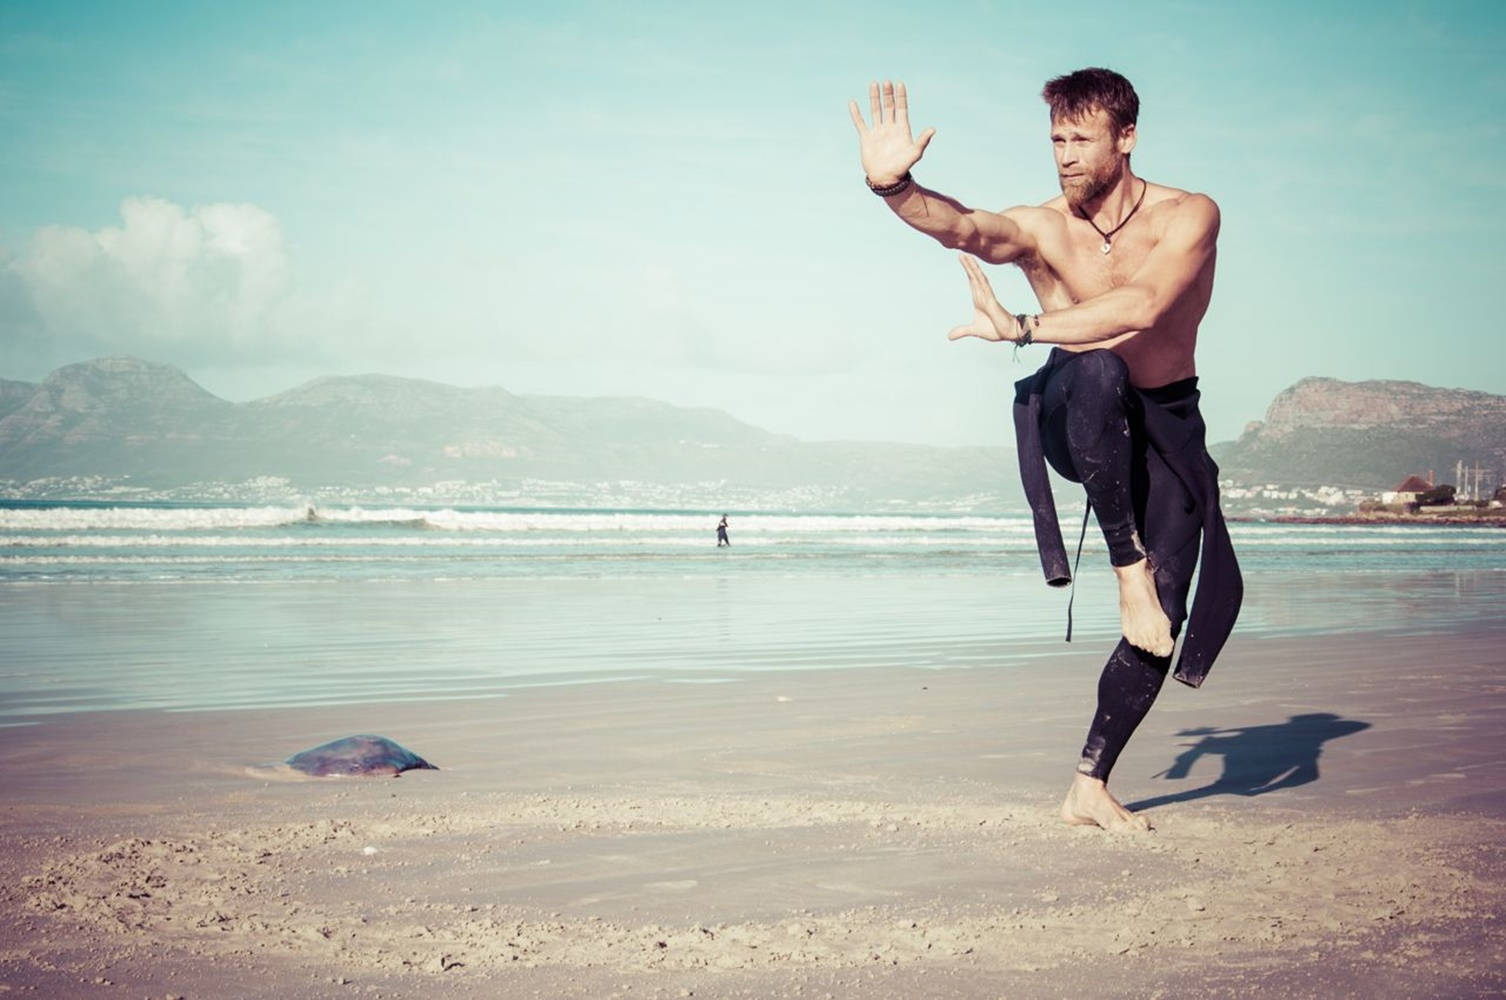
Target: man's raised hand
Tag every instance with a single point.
(887, 148)
(990, 320)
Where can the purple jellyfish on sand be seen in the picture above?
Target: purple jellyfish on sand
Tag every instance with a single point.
(358, 756)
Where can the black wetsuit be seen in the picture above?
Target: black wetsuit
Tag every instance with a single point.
(1141, 458)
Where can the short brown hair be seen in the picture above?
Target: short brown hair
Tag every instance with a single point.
(1076, 94)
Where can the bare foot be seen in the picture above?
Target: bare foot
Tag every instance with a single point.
(1140, 616)
(1088, 803)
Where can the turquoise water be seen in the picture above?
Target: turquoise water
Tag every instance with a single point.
(188, 608)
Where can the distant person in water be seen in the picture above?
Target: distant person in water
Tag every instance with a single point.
(1123, 270)
(721, 533)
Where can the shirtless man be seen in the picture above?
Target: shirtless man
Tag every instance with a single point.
(1123, 270)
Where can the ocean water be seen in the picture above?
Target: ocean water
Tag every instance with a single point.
(183, 608)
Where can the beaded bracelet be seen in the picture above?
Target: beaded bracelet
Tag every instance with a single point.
(888, 189)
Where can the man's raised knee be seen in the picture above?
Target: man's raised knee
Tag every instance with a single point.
(1104, 369)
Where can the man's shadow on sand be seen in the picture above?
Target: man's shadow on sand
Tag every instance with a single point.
(1257, 759)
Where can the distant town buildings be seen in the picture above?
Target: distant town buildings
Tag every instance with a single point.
(1415, 494)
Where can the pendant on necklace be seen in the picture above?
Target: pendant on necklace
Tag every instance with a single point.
(1107, 246)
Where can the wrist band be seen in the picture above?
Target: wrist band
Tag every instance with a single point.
(888, 189)
(1026, 322)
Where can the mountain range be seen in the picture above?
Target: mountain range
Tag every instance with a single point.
(1369, 435)
(127, 419)
(124, 420)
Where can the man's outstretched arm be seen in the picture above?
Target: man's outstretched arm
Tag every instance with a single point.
(889, 151)
(1170, 269)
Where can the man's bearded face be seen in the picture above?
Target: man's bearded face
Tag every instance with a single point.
(1088, 156)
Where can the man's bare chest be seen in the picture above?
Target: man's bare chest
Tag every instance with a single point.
(1075, 267)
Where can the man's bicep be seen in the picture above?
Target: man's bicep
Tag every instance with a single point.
(1003, 237)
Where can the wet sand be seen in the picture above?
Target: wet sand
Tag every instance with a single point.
(1329, 818)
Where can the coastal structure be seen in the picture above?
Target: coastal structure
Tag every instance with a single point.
(1408, 490)
(1414, 492)
(1418, 498)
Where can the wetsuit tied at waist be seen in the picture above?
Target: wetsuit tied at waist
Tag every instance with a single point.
(1171, 496)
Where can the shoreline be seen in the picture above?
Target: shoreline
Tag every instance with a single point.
(877, 831)
(1497, 520)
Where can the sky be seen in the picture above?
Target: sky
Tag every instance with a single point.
(665, 199)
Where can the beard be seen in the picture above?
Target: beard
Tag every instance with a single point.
(1081, 190)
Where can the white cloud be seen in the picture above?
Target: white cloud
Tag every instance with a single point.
(214, 274)
(208, 282)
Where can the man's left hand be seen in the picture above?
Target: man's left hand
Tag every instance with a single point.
(990, 320)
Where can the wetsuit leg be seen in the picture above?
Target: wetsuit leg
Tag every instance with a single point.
(1133, 677)
(1126, 689)
(1086, 415)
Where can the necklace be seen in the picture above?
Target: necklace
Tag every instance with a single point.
(1108, 237)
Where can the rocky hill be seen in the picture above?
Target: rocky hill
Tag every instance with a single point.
(14, 394)
(123, 419)
(111, 417)
(1368, 435)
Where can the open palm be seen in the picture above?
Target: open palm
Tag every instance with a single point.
(887, 148)
(991, 321)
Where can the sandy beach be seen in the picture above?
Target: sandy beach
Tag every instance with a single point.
(1329, 817)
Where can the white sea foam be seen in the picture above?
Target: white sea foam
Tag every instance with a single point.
(661, 537)
(144, 518)
(605, 540)
(28, 519)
